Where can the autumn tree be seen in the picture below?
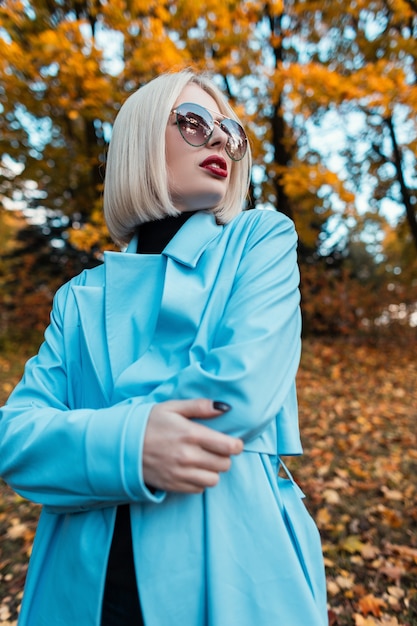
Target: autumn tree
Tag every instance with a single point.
(362, 63)
(66, 66)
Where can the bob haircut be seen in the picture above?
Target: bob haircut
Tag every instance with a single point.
(136, 178)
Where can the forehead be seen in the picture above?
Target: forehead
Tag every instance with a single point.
(197, 95)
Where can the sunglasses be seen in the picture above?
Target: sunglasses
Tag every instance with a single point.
(196, 125)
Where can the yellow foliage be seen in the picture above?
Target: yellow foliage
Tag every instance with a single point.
(275, 7)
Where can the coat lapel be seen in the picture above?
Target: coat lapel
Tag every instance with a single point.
(90, 307)
(133, 293)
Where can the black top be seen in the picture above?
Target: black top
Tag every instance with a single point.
(153, 237)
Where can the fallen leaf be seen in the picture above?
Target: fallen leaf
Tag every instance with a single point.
(17, 531)
(352, 544)
(371, 604)
(392, 494)
(331, 496)
(368, 551)
(397, 592)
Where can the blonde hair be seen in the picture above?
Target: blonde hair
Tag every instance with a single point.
(136, 179)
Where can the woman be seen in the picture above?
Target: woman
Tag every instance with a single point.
(151, 422)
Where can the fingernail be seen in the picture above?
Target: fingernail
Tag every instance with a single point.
(221, 406)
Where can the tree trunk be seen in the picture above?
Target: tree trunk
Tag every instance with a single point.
(407, 196)
(281, 154)
(281, 158)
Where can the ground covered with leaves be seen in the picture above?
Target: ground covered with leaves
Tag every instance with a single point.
(358, 413)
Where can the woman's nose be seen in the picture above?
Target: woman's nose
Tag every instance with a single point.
(218, 137)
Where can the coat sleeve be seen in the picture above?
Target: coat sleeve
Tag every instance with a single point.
(255, 350)
(70, 459)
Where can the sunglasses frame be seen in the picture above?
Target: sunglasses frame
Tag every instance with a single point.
(212, 122)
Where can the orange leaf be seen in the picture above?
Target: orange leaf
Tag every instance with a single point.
(371, 604)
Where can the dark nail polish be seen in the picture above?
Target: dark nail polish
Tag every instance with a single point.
(221, 406)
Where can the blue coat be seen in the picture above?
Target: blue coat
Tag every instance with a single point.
(217, 316)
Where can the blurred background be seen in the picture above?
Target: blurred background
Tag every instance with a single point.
(327, 91)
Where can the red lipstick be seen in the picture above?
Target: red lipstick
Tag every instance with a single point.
(216, 165)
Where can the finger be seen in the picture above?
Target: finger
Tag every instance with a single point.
(200, 408)
(214, 441)
(196, 458)
(186, 481)
(208, 438)
(195, 482)
(203, 479)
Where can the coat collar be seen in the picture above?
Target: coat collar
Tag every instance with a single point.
(190, 241)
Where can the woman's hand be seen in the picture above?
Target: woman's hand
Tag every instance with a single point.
(180, 455)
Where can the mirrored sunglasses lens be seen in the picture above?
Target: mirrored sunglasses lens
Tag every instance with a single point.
(237, 142)
(195, 126)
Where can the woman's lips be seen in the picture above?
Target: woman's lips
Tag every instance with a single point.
(216, 165)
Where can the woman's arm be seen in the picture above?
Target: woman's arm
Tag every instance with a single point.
(74, 460)
(255, 351)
